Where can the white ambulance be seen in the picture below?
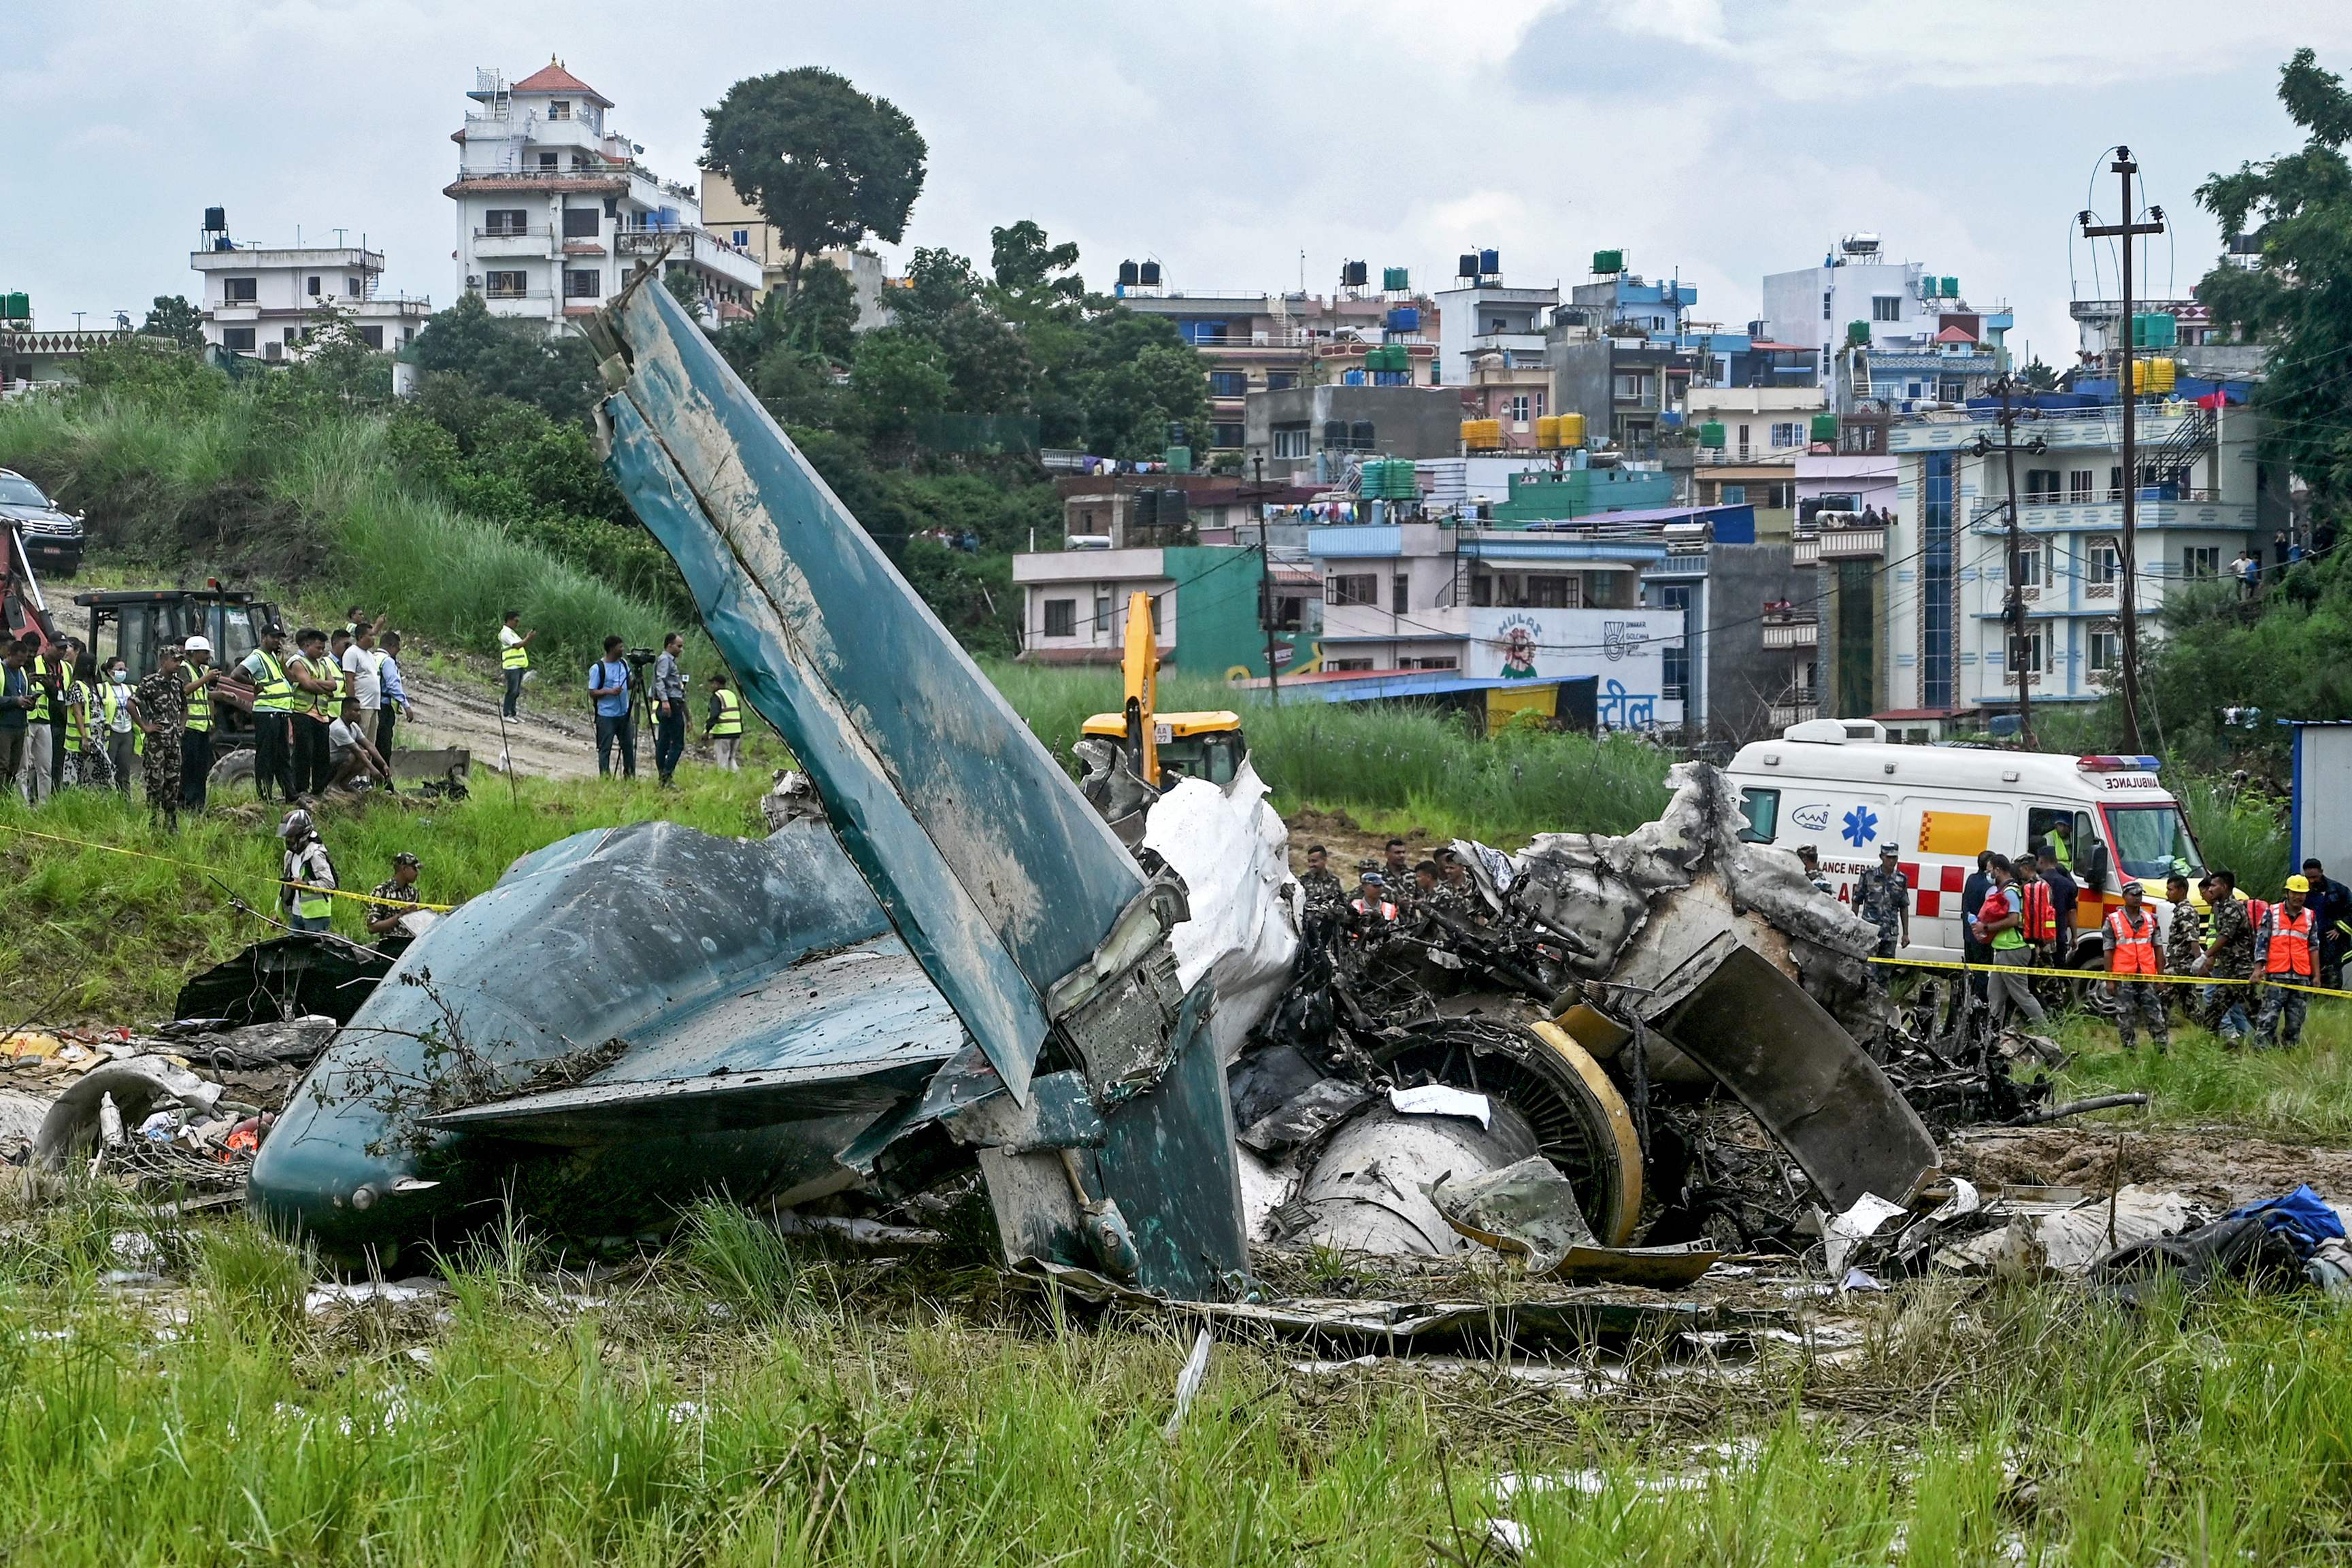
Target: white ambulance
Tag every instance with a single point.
(1837, 785)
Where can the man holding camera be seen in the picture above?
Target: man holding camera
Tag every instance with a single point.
(609, 686)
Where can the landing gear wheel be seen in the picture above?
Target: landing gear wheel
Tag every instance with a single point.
(231, 770)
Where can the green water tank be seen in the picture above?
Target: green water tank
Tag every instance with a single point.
(1710, 435)
(1395, 280)
(1857, 334)
(1824, 427)
(2155, 329)
(1951, 288)
(15, 307)
(1605, 262)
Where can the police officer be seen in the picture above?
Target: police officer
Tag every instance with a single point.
(724, 724)
(2129, 939)
(197, 674)
(1883, 897)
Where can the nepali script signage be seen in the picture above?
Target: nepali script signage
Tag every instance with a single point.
(1623, 650)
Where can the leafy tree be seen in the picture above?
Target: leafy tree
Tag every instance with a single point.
(825, 164)
(1033, 276)
(2297, 296)
(820, 314)
(176, 321)
(679, 281)
(896, 380)
(2040, 377)
(557, 375)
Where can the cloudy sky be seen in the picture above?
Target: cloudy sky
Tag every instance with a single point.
(1719, 139)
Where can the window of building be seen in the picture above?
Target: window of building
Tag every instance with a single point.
(1355, 588)
(583, 222)
(1281, 381)
(311, 286)
(1632, 385)
(1225, 436)
(1102, 615)
(1952, 389)
(741, 239)
(1787, 433)
(1441, 661)
(1228, 383)
(2202, 561)
(295, 334)
(1781, 495)
(560, 109)
(237, 340)
(2031, 652)
(1913, 390)
(1292, 441)
(373, 337)
(583, 283)
(505, 285)
(2041, 486)
(1546, 590)
(1061, 618)
(1827, 296)
(1518, 410)
(1743, 441)
(505, 221)
(1733, 495)
(1399, 595)
(1886, 307)
(2107, 563)
(2106, 651)
(2028, 567)
(548, 162)
(240, 290)
(1347, 664)
(2082, 486)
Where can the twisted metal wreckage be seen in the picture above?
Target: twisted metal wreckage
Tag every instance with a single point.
(961, 964)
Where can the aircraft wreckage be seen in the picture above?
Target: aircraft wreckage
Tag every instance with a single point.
(961, 965)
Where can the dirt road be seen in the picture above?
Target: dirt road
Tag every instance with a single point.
(542, 745)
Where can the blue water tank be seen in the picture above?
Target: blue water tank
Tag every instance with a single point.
(1353, 379)
(1490, 262)
(1405, 318)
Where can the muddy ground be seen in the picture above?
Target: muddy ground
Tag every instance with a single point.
(2216, 1165)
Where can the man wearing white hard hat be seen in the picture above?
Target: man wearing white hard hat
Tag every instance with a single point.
(198, 677)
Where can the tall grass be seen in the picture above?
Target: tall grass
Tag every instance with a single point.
(96, 932)
(532, 1423)
(1405, 760)
(2239, 833)
(152, 470)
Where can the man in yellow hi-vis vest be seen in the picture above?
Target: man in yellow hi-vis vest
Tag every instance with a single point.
(514, 656)
(724, 724)
(308, 875)
(196, 673)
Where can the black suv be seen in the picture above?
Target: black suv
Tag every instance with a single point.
(53, 536)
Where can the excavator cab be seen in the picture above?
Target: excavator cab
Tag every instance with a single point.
(1160, 747)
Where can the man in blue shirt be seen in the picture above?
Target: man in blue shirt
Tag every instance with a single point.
(608, 683)
(395, 694)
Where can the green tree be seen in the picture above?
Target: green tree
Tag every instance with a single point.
(176, 321)
(2038, 377)
(1033, 275)
(557, 375)
(825, 164)
(682, 287)
(2297, 295)
(896, 380)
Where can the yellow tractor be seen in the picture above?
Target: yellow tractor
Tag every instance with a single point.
(1160, 747)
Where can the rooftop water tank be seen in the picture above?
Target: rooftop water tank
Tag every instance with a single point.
(1606, 262)
(1490, 263)
(1395, 280)
(1148, 274)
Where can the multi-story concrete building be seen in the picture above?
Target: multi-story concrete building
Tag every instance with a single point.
(742, 225)
(1683, 619)
(555, 213)
(1309, 434)
(2189, 339)
(1205, 605)
(266, 300)
(1491, 344)
(1254, 342)
(1885, 333)
(1749, 440)
(1945, 654)
(1629, 388)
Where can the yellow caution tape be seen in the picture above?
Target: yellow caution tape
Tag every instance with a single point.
(214, 870)
(2105, 975)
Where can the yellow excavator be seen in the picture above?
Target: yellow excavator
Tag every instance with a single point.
(1160, 747)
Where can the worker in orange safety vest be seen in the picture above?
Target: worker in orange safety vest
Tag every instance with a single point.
(2129, 937)
(2286, 953)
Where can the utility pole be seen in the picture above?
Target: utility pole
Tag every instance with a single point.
(2125, 167)
(2014, 606)
(1268, 602)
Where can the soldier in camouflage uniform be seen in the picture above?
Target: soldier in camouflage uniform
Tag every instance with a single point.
(1321, 897)
(1461, 893)
(159, 706)
(2184, 945)
(2229, 956)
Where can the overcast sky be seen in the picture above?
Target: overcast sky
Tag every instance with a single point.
(1719, 139)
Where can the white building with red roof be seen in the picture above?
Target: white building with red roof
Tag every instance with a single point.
(555, 213)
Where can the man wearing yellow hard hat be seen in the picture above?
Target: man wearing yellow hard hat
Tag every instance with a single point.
(2286, 954)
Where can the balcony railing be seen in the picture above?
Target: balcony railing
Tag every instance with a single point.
(1852, 544)
(1791, 631)
(1807, 549)
(517, 294)
(541, 232)
(2106, 498)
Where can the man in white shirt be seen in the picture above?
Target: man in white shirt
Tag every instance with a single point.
(350, 754)
(362, 682)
